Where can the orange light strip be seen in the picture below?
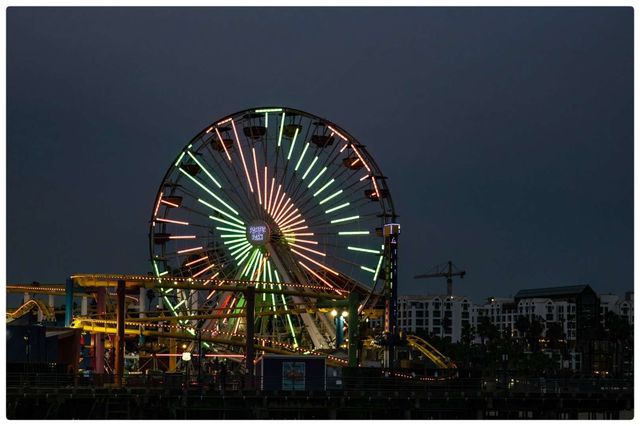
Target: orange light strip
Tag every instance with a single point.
(375, 186)
(297, 229)
(204, 270)
(306, 241)
(169, 203)
(211, 294)
(273, 183)
(225, 121)
(256, 274)
(337, 133)
(293, 224)
(224, 146)
(360, 157)
(155, 213)
(265, 185)
(275, 199)
(308, 249)
(290, 218)
(302, 234)
(244, 163)
(177, 222)
(276, 211)
(255, 167)
(286, 211)
(316, 262)
(319, 277)
(189, 250)
(196, 261)
(209, 129)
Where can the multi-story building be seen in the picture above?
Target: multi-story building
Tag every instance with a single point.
(500, 311)
(443, 316)
(621, 307)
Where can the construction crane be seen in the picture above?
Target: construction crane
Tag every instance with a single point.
(446, 270)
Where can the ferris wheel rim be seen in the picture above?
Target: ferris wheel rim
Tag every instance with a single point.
(386, 203)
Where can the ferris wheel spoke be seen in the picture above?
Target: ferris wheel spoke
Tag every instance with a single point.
(243, 198)
(309, 197)
(208, 190)
(244, 163)
(323, 167)
(333, 209)
(291, 176)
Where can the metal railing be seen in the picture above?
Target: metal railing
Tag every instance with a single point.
(211, 383)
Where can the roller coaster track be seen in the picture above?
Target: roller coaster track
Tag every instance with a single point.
(238, 340)
(427, 349)
(28, 306)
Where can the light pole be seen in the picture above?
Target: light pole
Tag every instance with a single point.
(186, 357)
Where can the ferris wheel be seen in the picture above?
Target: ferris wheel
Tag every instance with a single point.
(271, 195)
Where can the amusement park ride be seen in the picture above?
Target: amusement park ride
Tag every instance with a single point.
(268, 224)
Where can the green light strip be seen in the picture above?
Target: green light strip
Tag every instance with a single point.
(204, 169)
(176, 307)
(228, 223)
(304, 151)
(207, 189)
(375, 274)
(269, 269)
(293, 142)
(335, 194)
(324, 187)
(337, 208)
(220, 211)
(317, 176)
(255, 265)
(281, 128)
(229, 235)
(169, 304)
(236, 231)
(309, 168)
(155, 266)
(179, 159)
(163, 273)
(244, 256)
(368, 269)
(268, 110)
(364, 250)
(353, 233)
(344, 219)
(237, 253)
(251, 259)
(266, 119)
(244, 239)
(240, 244)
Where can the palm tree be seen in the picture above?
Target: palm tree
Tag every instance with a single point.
(535, 332)
(486, 329)
(522, 325)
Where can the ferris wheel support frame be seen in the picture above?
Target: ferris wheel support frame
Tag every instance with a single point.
(391, 233)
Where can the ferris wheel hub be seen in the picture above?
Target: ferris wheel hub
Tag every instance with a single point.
(258, 233)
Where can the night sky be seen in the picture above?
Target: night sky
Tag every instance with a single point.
(506, 134)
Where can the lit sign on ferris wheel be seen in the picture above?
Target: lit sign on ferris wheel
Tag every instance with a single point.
(258, 233)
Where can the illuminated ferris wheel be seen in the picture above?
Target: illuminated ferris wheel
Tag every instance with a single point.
(271, 195)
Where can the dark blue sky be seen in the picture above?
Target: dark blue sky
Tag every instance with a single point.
(506, 134)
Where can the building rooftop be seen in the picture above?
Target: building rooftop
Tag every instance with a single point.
(551, 291)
